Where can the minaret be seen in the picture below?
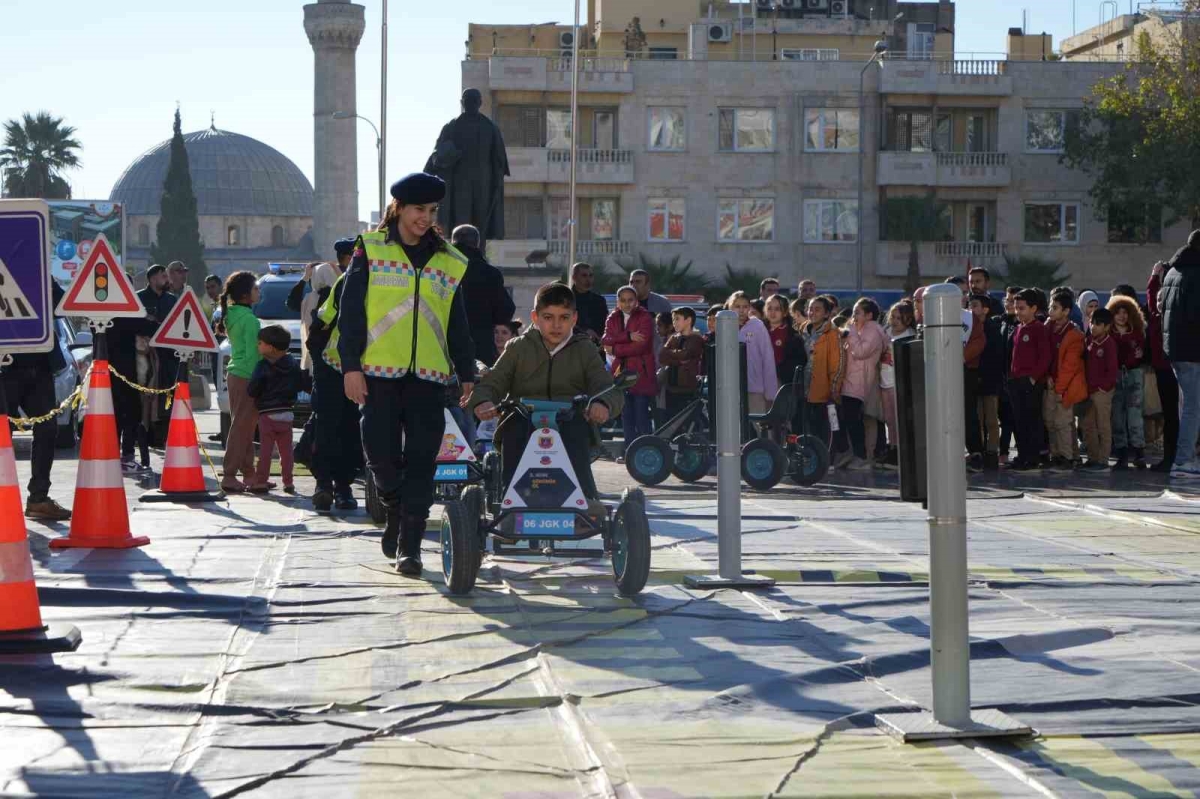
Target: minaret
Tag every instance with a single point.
(334, 29)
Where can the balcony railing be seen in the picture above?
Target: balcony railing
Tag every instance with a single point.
(968, 249)
(590, 156)
(591, 64)
(974, 67)
(972, 159)
(591, 247)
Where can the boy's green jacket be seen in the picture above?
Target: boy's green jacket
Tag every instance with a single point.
(525, 369)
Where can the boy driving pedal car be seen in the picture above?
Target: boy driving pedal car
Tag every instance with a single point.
(550, 362)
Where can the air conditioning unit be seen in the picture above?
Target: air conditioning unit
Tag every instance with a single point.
(789, 5)
(839, 8)
(816, 5)
(765, 5)
(720, 31)
(566, 39)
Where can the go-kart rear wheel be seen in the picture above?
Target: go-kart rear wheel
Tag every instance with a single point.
(808, 461)
(493, 477)
(631, 544)
(375, 505)
(692, 461)
(648, 460)
(473, 500)
(763, 464)
(460, 548)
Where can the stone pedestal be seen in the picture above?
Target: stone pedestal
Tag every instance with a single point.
(334, 29)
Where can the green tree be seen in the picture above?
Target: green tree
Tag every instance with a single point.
(914, 219)
(1138, 136)
(1033, 272)
(177, 237)
(37, 149)
(666, 277)
(747, 280)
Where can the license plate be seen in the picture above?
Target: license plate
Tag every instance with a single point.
(451, 473)
(547, 525)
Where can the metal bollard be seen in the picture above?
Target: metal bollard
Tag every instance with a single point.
(727, 417)
(950, 647)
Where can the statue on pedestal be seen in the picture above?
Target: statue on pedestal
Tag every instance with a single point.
(471, 158)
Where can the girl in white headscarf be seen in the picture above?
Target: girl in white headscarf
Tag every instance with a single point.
(324, 276)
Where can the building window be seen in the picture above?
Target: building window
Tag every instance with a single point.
(911, 131)
(746, 220)
(828, 221)
(1051, 223)
(1046, 131)
(666, 129)
(277, 239)
(144, 235)
(604, 220)
(525, 217)
(664, 53)
(522, 125)
(831, 129)
(560, 218)
(666, 218)
(597, 219)
(233, 236)
(809, 54)
(1135, 223)
(558, 128)
(747, 130)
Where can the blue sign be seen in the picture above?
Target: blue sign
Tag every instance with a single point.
(547, 525)
(451, 473)
(26, 309)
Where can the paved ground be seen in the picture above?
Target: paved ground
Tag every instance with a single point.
(257, 649)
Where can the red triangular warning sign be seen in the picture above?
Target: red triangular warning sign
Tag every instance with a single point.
(185, 327)
(100, 289)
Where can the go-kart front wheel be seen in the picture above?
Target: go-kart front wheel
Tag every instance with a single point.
(648, 460)
(808, 460)
(375, 505)
(692, 460)
(460, 548)
(763, 463)
(631, 544)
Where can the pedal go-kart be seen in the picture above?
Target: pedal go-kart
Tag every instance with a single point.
(543, 505)
(684, 447)
(457, 467)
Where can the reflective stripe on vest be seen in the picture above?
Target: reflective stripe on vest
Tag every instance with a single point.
(394, 292)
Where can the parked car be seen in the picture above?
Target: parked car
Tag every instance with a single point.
(271, 309)
(76, 350)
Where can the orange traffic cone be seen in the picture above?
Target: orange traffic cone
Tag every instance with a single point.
(182, 476)
(21, 628)
(99, 519)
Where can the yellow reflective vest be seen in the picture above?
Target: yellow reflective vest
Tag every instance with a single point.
(402, 306)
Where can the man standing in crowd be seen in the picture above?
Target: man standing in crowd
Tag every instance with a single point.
(1179, 301)
(212, 296)
(654, 303)
(177, 273)
(768, 288)
(28, 385)
(158, 302)
(591, 307)
(488, 303)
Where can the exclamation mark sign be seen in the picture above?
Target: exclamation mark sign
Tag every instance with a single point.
(187, 323)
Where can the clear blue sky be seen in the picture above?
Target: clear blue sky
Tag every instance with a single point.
(115, 70)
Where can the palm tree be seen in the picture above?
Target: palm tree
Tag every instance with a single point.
(747, 280)
(37, 149)
(913, 219)
(666, 277)
(1033, 272)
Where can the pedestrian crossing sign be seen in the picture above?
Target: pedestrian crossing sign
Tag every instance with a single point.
(26, 307)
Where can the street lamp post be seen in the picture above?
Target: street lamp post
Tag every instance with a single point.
(379, 149)
(573, 238)
(880, 48)
(382, 132)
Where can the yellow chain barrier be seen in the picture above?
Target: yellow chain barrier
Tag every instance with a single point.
(76, 400)
(169, 392)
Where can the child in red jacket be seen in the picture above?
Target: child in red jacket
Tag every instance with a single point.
(629, 338)
(1129, 330)
(1102, 380)
(1032, 354)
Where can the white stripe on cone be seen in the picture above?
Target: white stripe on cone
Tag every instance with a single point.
(181, 411)
(182, 458)
(15, 564)
(99, 474)
(100, 402)
(8, 468)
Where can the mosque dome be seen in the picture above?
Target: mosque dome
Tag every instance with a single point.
(232, 175)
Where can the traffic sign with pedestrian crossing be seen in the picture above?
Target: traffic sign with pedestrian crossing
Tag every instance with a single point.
(26, 309)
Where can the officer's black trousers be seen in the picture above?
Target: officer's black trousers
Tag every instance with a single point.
(411, 409)
(338, 452)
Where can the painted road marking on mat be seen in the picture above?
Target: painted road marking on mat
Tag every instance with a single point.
(1095, 766)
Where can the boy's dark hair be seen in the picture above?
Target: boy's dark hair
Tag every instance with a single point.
(155, 269)
(514, 327)
(687, 313)
(1064, 297)
(663, 318)
(1102, 316)
(212, 279)
(980, 298)
(981, 270)
(554, 294)
(1011, 290)
(276, 336)
(767, 281)
(1032, 298)
(1124, 290)
(715, 309)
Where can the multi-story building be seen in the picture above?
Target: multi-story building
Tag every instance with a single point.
(730, 134)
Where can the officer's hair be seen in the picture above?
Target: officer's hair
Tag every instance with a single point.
(558, 295)
(465, 234)
(391, 226)
(275, 336)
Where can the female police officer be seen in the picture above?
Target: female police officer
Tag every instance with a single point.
(402, 331)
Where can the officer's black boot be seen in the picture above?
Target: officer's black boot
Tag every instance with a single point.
(391, 533)
(413, 533)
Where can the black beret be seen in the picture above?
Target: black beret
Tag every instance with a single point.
(343, 247)
(419, 188)
(155, 269)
